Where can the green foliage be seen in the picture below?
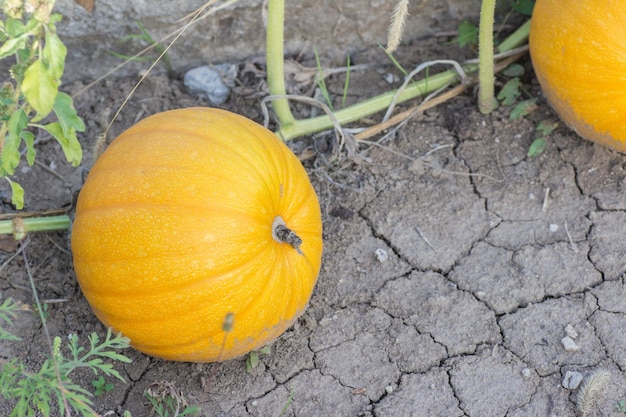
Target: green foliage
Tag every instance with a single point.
(34, 393)
(346, 84)
(621, 406)
(321, 83)
(8, 312)
(101, 386)
(144, 37)
(252, 361)
(467, 35)
(524, 7)
(394, 61)
(510, 92)
(523, 108)
(29, 38)
(544, 128)
(283, 412)
(547, 126)
(513, 70)
(536, 148)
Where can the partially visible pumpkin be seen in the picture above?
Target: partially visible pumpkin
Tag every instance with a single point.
(197, 235)
(578, 50)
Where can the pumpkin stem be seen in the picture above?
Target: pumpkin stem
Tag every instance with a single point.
(282, 234)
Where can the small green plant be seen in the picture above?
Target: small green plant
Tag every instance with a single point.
(35, 392)
(283, 412)
(167, 401)
(252, 361)
(523, 108)
(28, 37)
(621, 406)
(321, 83)
(544, 128)
(510, 92)
(43, 311)
(145, 37)
(8, 312)
(101, 386)
(467, 35)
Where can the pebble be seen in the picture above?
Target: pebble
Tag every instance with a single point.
(389, 389)
(390, 78)
(572, 380)
(526, 373)
(569, 344)
(381, 255)
(208, 82)
(570, 331)
(553, 227)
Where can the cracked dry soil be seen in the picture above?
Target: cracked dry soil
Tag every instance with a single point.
(452, 268)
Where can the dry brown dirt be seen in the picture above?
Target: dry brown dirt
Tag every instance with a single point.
(492, 257)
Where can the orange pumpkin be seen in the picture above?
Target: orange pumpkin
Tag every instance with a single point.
(197, 235)
(578, 50)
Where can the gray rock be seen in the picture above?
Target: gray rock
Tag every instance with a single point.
(207, 82)
(572, 380)
(569, 344)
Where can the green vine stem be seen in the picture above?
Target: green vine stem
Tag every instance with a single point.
(486, 96)
(275, 60)
(298, 128)
(19, 227)
(516, 39)
(373, 105)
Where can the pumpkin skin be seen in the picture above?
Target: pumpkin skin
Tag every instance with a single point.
(173, 240)
(578, 51)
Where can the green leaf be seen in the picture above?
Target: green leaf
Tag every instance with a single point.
(64, 109)
(510, 92)
(523, 108)
(514, 70)
(17, 194)
(547, 126)
(69, 142)
(524, 7)
(55, 18)
(29, 140)
(15, 28)
(54, 53)
(537, 147)
(13, 45)
(468, 34)
(10, 151)
(40, 88)
(252, 361)
(8, 313)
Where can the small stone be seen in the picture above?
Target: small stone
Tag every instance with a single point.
(572, 380)
(569, 344)
(206, 82)
(389, 389)
(553, 227)
(390, 78)
(526, 373)
(381, 255)
(570, 331)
